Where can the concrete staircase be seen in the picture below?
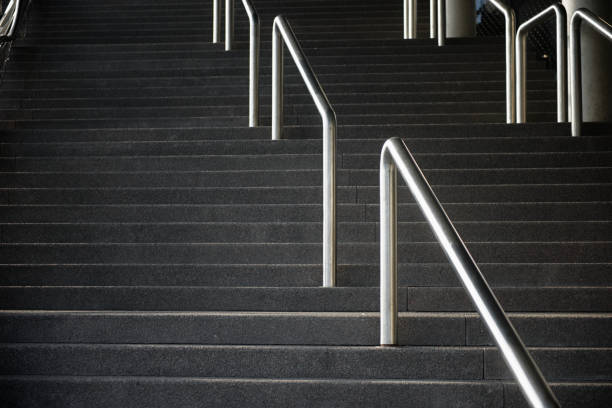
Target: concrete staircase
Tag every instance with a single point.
(156, 252)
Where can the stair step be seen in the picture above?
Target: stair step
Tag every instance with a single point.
(284, 253)
(241, 328)
(155, 298)
(162, 213)
(228, 231)
(292, 275)
(445, 363)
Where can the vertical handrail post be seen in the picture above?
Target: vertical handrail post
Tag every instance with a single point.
(216, 22)
(441, 23)
(254, 47)
(521, 62)
(388, 251)
(510, 38)
(602, 27)
(282, 33)
(395, 157)
(433, 18)
(229, 24)
(277, 84)
(410, 19)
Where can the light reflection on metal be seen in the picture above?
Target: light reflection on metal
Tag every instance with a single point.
(395, 157)
(598, 25)
(282, 33)
(521, 61)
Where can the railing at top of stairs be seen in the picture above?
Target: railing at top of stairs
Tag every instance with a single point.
(396, 156)
(254, 45)
(283, 33)
(521, 61)
(600, 26)
(438, 20)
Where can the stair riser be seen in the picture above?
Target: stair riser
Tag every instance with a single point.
(415, 275)
(238, 329)
(574, 300)
(283, 362)
(261, 253)
(296, 232)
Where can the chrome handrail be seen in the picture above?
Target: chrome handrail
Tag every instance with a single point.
(254, 47)
(8, 22)
(521, 61)
(441, 22)
(282, 32)
(433, 18)
(216, 23)
(599, 25)
(510, 35)
(410, 19)
(395, 155)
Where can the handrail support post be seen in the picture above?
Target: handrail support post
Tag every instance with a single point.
(216, 22)
(441, 10)
(602, 27)
(283, 34)
(395, 157)
(229, 24)
(410, 19)
(433, 18)
(561, 52)
(388, 252)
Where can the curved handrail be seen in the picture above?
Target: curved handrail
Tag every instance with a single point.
(396, 156)
(254, 46)
(599, 25)
(510, 35)
(410, 19)
(521, 61)
(10, 15)
(282, 32)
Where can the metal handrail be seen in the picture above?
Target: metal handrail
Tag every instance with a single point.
(216, 23)
(521, 61)
(599, 25)
(433, 18)
(395, 155)
(254, 47)
(510, 35)
(441, 22)
(10, 15)
(282, 32)
(410, 19)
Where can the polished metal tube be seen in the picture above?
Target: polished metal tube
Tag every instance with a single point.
(605, 29)
(441, 23)
(410, 19)
(388, 250)
(254, 41)
(510, 35)
(11, 29)
(395, 155)
(282, 32)
(433, 18)
(521, 61)
(229, 24)
(216, 23)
